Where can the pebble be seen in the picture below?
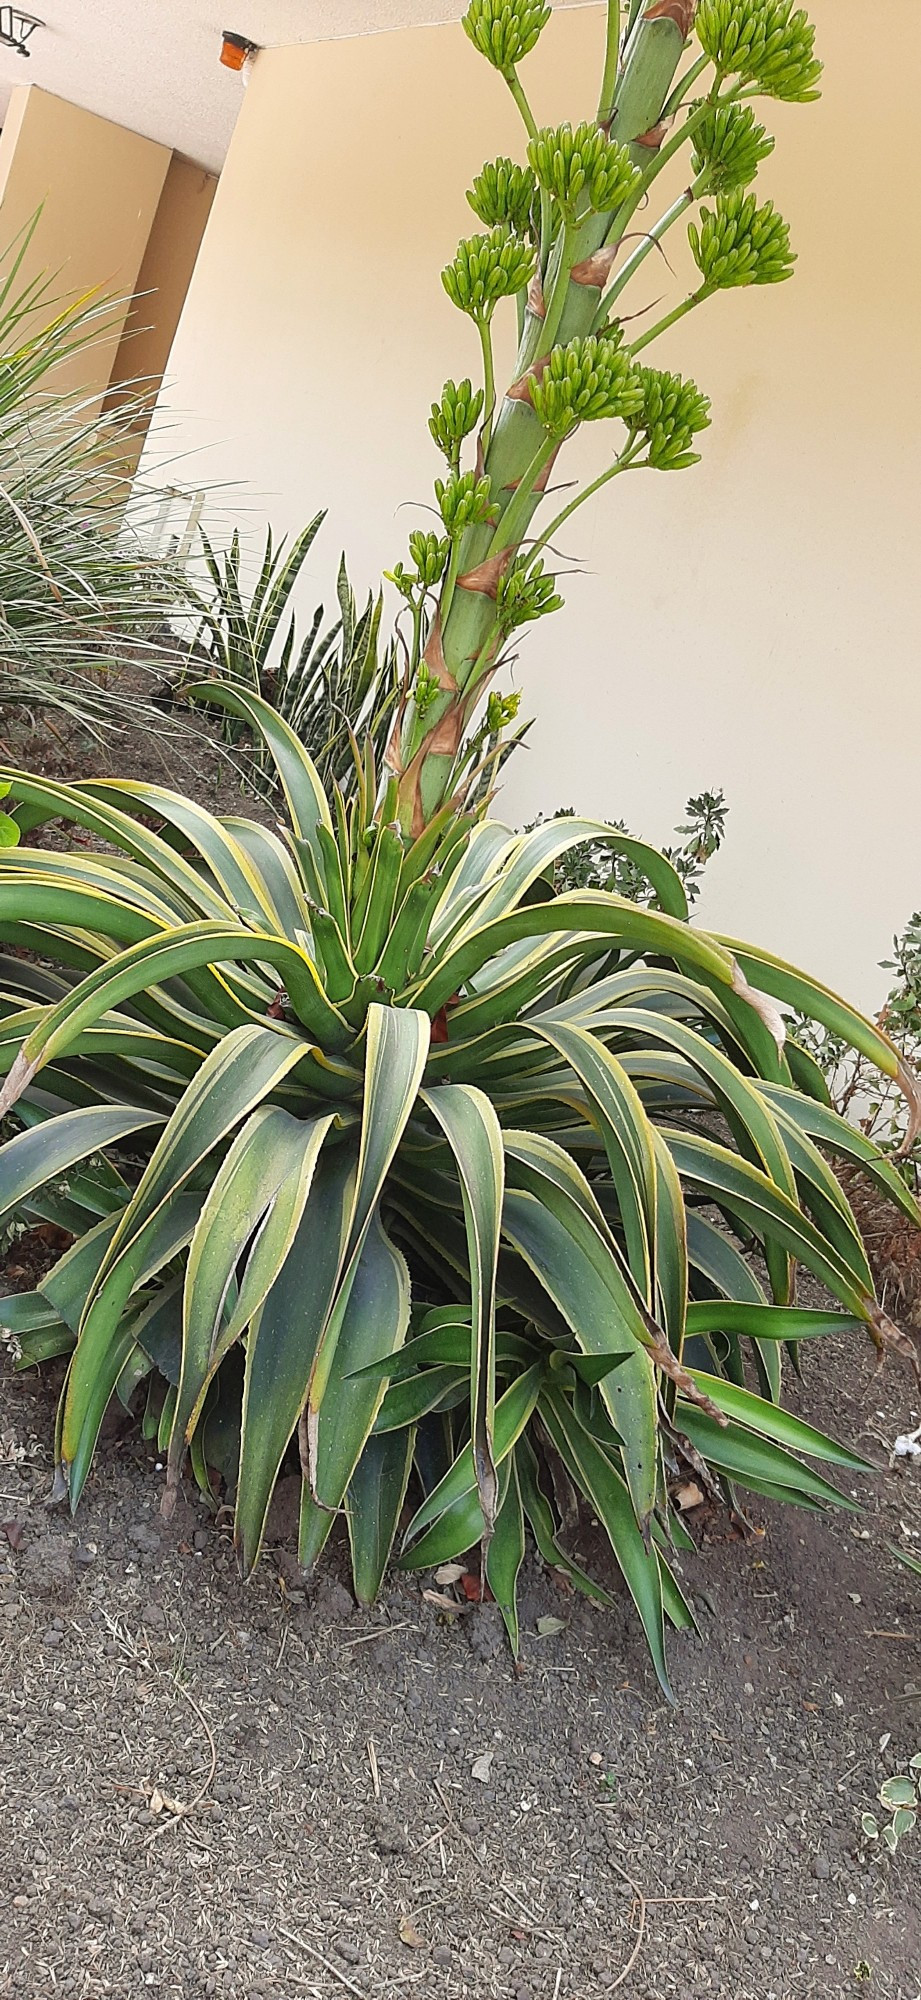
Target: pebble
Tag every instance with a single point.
(144, 1538)
(443, 1955)
(349, 1952)
(821, 1867)
(261, 1940)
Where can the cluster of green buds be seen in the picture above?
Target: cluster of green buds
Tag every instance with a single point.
(525, 592)
(672, 413)
(590, 378)
(767, 43)
(426, 690)
(505, 31)
(486, 269)
(501, 709)
(429, 554)
(465, 501)
(739, 243)
(729, 147)
(454, 416)
(582, 169)
(503, 195)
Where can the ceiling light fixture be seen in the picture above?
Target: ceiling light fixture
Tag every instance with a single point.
(236, 50)
(16, 28)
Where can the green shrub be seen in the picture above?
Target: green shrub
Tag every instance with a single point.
(79, 595)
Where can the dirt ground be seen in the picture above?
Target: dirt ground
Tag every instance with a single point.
(211, 1789)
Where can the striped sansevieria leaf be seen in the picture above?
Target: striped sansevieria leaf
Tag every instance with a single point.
(384, 1164)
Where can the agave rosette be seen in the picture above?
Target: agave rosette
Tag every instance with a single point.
(375, 1150)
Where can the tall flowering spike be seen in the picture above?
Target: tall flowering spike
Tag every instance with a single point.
(505, 193)
(505, 31)
(486, 269)
(582, 169)
(673, 411)
(730, 146)
(739, 243)
(454, 416)
(588, 379)
(767, 43)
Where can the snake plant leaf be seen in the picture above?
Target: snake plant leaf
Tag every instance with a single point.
(374, 1503)
(474, 1134)
(376, 1317)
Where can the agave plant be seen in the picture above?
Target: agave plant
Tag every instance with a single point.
(380, 1156)
(362, 1140)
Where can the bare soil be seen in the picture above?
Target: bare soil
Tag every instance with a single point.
(211, 1788)
(208, 1788)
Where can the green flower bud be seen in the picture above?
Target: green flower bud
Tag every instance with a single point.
(739, 243)
(487, 269)
(501, 709)
(430, 554)
(583, 169)
(504, 193)
(525, 592)
(464, 501)
(404, 579)
(452, 419)
(587, 379)
(673, 411)
(730, 146)
(765, 42)
(505, 30)
(426, 689)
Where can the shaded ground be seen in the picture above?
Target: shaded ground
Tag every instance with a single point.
(339, 1840)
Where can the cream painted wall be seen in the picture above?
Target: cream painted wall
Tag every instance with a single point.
(751, 623)
(99, 185)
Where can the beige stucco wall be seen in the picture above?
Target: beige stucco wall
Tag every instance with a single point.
(162, 283)
(752, 623)
(99, 186)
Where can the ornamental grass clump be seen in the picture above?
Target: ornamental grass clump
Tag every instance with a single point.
(381, 1157)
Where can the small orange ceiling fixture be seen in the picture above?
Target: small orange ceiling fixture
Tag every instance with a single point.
(236, 50)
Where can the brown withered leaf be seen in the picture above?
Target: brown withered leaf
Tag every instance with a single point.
(409, 1935)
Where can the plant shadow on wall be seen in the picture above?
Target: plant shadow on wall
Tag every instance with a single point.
(378, 1154)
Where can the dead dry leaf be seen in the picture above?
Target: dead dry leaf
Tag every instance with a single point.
(548, 1627)
(441, 1602)
(410, 1935)
(481, 1766)
(450, 1573)
(689, 1496)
